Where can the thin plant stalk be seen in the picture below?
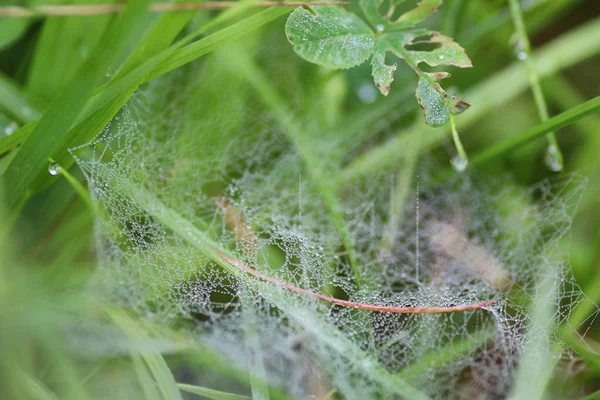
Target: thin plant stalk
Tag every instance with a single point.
(554, 157)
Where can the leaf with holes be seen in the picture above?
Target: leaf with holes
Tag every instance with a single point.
(382, 13)
(412, 46)
(329, 36)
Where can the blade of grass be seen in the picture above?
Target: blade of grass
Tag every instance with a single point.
(61, 50)
(154, 360)
(592, 396)
(256, 366)
(559, 121)
(147, 384)
(441, 357)
(50, 134)
(540, 355)
(11, 30)
(159, 37)
(211, 393)
(16, 103)
(34, 388)
(563, 52)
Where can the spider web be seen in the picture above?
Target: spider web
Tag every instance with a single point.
(231, 174)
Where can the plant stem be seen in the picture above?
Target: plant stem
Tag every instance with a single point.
(463, 160)
(554, 157)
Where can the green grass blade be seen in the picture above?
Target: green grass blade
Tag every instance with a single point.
(35, 389)
(159, 37)
(12, 29)
(559, 121)
(453, 351)
(16, 103)
(252, 338)
(539, 356)
(50, 134)
(592, 396)
(201, 47)
(61, 50)
(211, 393)
(148, 385)
(156, 363)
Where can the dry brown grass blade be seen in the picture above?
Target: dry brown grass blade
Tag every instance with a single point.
(101, 9)
(352, 304)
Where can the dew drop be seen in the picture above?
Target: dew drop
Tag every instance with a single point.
(10, 128)
(518, 47)
(553, 158)
(459, 163)
(54, 169)
(380, 28)
(441, 56)
(110, 72)
(367, 93)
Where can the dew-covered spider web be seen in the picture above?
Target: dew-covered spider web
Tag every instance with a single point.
(189, 195)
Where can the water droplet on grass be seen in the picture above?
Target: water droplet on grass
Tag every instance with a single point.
(10, 128)
(553, 159)
(380, 28)
(54, 169)
(459, 163)
(518, 47)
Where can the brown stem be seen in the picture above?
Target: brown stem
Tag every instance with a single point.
(100, 9)
(352, 304)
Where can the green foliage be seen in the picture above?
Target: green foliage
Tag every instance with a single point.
(336, 38)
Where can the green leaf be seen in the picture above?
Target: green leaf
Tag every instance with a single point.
(383, 75)
(154, 360)
(11, 29)
(329, 36)
(385, 21)
(437, 105)
(432, 103)
(211, 393)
